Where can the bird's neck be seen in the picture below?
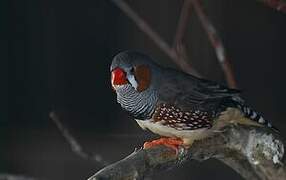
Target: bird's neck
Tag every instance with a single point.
(140, 105)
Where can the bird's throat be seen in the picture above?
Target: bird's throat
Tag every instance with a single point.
(140, 105)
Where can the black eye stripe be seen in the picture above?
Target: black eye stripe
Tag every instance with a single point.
(132, 70)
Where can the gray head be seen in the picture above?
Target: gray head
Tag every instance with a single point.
(133, 77)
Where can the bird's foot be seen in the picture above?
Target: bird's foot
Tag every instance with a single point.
(172, 143)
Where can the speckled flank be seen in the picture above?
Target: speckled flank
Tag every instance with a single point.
(174, 117)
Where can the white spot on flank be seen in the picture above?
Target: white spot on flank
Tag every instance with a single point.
(253, 115)
(261, 120)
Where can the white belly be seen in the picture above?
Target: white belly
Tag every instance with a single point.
(188, 136)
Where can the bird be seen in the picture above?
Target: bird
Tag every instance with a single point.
(179, 107)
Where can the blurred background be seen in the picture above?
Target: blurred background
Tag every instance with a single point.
(59, 57)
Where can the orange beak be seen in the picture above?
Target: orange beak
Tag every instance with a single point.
(118, 77)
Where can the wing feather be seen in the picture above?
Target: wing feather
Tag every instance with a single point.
(189, 92)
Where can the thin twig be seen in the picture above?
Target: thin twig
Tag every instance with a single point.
(75, 145)
(16, 177)
(179, 43)
(216, 43)
(183, 22)
(279, 5)
(157, 39)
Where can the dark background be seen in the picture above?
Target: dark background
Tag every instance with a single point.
(59, 57)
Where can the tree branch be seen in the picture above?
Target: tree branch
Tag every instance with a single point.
(183, 22)
(279, 5)
(216, 43)
(75, 145)
(254, 152)
(157, 39)
(179, 43)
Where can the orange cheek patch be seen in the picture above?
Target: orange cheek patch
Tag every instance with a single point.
(143, 76)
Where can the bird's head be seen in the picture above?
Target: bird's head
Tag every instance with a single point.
(132, 77)
(134, 69)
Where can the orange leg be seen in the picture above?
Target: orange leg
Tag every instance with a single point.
(172, 143)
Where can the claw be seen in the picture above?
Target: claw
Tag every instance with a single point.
(172, 143)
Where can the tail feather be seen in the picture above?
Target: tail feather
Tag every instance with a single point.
(253, 115)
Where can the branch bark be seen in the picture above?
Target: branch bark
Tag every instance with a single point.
(254, 152)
